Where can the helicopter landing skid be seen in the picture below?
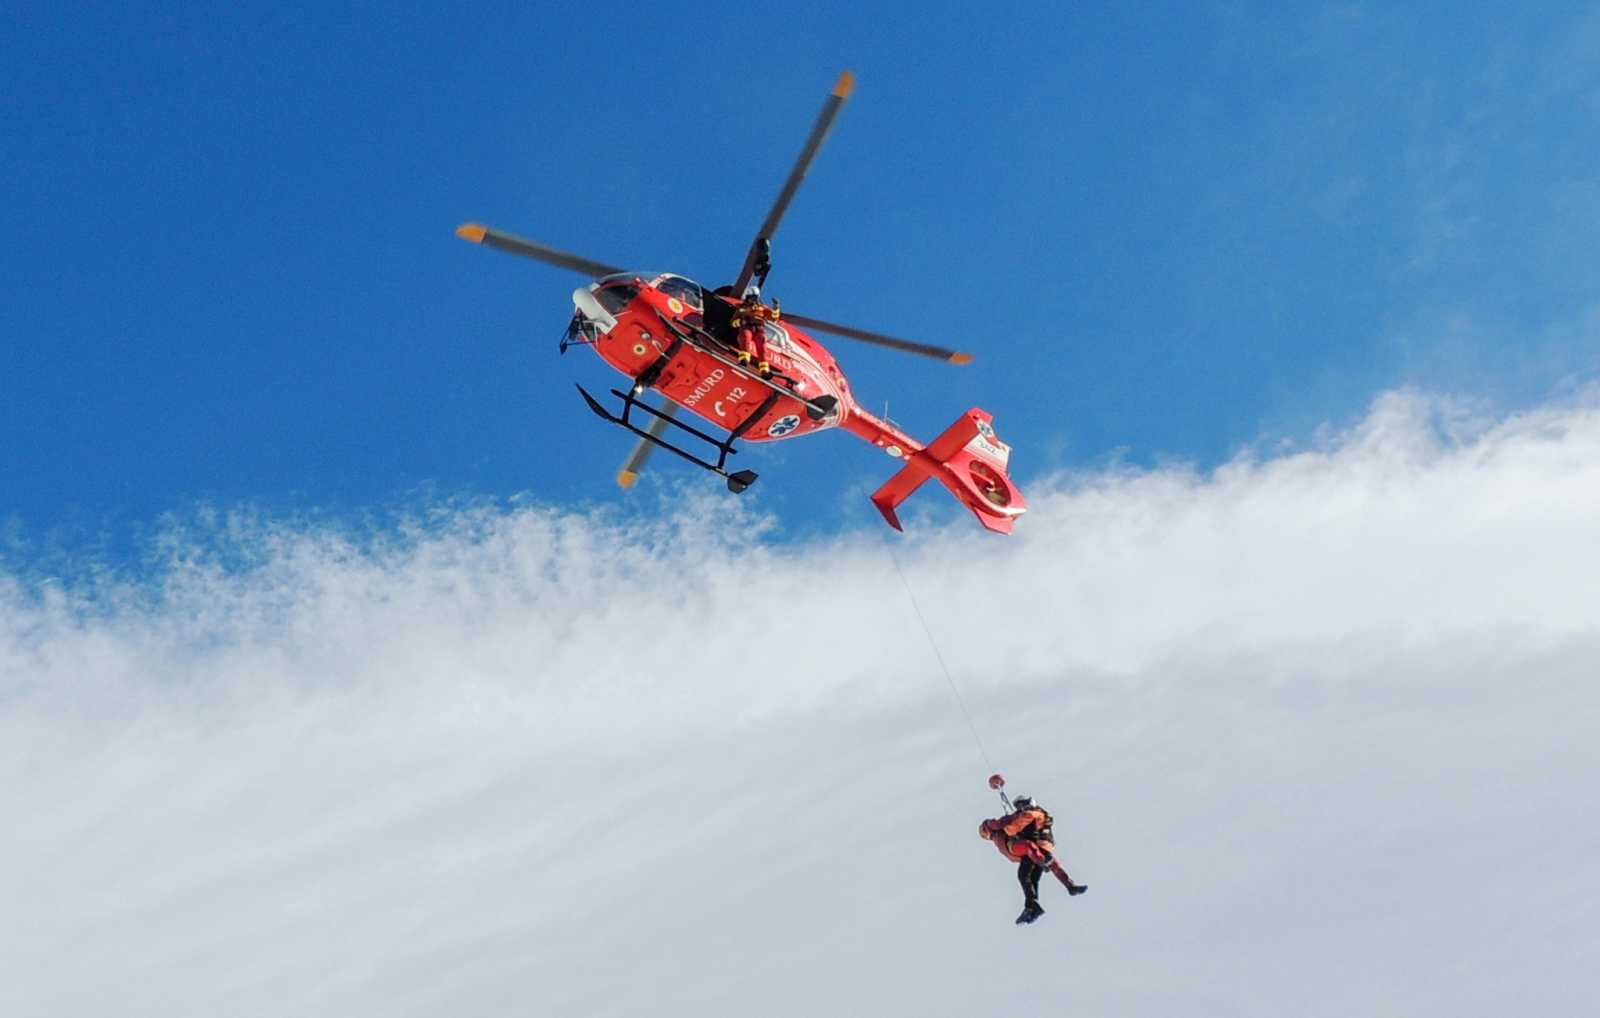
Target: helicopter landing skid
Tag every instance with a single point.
(738, 481)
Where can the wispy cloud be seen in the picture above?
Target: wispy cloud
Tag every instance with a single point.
(1313, 723)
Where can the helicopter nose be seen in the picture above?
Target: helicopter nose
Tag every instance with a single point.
(584, 300)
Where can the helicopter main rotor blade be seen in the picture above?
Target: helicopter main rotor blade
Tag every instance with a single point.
(490, 237)
(808, 155)
(879, 339)
(634, 464)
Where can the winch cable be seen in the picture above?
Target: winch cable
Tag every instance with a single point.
(934, 646)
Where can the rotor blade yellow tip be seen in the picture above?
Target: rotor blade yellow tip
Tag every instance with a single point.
(626, 478)
(472, 232)
(845, 84)
(961, 358)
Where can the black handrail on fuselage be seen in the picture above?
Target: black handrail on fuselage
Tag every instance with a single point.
(702, 341)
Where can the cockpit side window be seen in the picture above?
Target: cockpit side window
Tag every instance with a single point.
(615, 295)
(685, 290)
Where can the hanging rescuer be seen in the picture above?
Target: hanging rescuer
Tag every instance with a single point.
(1024, 836)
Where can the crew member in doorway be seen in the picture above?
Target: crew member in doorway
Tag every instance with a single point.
(750, 321)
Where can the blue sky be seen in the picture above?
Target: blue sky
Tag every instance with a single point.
(230, 278)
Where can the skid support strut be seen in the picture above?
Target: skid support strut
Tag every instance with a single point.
(737, 481)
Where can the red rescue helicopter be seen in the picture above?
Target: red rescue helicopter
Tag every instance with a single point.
(750, 369)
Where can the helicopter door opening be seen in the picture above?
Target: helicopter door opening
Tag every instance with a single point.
(719, 321)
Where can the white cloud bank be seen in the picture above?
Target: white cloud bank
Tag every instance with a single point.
(1318, 729)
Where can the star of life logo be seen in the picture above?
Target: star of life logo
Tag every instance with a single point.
(783, 425)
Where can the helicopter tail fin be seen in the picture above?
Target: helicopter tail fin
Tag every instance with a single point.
(970, 460)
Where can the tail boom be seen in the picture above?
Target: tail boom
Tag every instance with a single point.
(968, 459)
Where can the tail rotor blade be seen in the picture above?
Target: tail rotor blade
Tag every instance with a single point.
(879, 339)
(513, 244)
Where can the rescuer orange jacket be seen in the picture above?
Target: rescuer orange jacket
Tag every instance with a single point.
(1021, 835)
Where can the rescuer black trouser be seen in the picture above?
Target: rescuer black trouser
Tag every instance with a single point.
(1028, 873)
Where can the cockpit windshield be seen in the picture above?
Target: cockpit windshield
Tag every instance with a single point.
(616, 291)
